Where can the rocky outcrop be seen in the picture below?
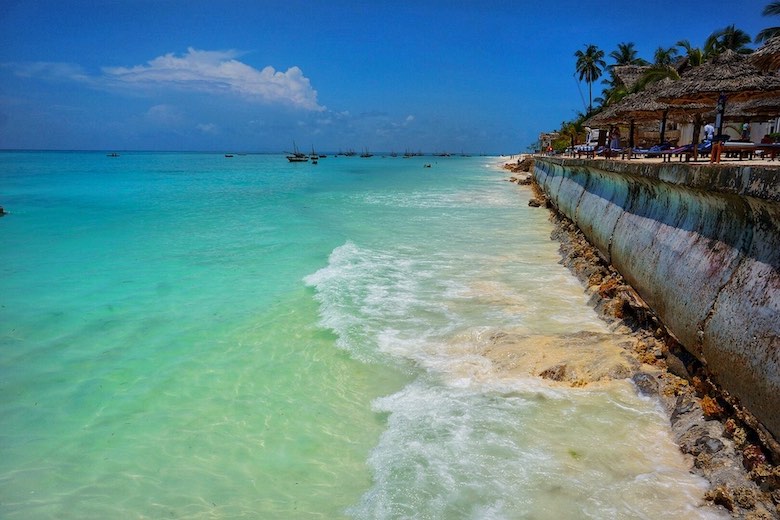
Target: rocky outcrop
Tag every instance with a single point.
(701, 246)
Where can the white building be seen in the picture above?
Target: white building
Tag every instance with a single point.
(733, 129)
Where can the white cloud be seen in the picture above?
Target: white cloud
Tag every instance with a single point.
(213, 72)
(50, 70)
(218, 72)
(207, 128)
(164, 115)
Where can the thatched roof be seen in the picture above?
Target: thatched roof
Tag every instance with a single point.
(729, 73)
(767, 57)
(636, 108)
(629, 74)
(645, 106)
(755, 109)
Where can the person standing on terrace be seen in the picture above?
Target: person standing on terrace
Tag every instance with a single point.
(614, 142)
(709, 132)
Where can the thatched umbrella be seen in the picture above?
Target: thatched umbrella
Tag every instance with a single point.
(636, 106)
(629, 75)
(729, 74)
(754, 109)
(767, 58)
(644, 106)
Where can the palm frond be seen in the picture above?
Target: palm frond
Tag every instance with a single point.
(773, 9)
(766, 34)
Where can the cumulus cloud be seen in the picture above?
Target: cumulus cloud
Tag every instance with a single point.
(212, 72)
(219, 72)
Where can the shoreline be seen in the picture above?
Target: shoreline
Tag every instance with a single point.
(718, 441)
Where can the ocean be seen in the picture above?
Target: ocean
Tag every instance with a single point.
(186, 335)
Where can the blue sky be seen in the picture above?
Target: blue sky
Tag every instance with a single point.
(475, 76)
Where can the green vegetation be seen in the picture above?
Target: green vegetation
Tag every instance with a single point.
(728, 38)
(626, 54)
(773, 9)
(590, 65)
(668, 62)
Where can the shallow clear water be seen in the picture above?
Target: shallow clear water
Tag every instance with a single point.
(192, 336)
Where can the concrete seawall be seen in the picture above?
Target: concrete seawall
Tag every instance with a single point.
(701, 245)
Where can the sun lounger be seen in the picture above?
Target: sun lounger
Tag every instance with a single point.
(609, 152)
(587, 151)
(681, 151)
(601, 151)
(653, 151)
(633, 152)
(739, 149)
(769, 150)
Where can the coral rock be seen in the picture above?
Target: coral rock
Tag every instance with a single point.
(721, 496)
(556, 373)
(752, 456)
(710, 407)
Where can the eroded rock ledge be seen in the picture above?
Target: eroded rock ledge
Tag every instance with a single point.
(725, 449)
(728, 446)
(701, 245)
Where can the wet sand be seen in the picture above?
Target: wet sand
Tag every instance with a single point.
(723, 442)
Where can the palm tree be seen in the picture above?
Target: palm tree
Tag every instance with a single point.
(694, 54)
(615, 89)
(655, 73)
(663, 67)
(664, 57)
(728, 38)
(612, 83)
(573, 130)
(626, 54)
(773, 9)
(589, 66)
(613, 95)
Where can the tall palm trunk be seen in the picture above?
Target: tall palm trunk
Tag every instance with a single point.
(590, 97)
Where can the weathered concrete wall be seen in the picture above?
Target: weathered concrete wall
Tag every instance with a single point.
(701, 245)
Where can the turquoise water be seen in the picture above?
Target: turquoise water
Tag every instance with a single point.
(192, 336)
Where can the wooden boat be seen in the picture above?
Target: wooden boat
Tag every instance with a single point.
(297, 156)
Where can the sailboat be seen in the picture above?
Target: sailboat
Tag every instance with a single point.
(297, 156)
